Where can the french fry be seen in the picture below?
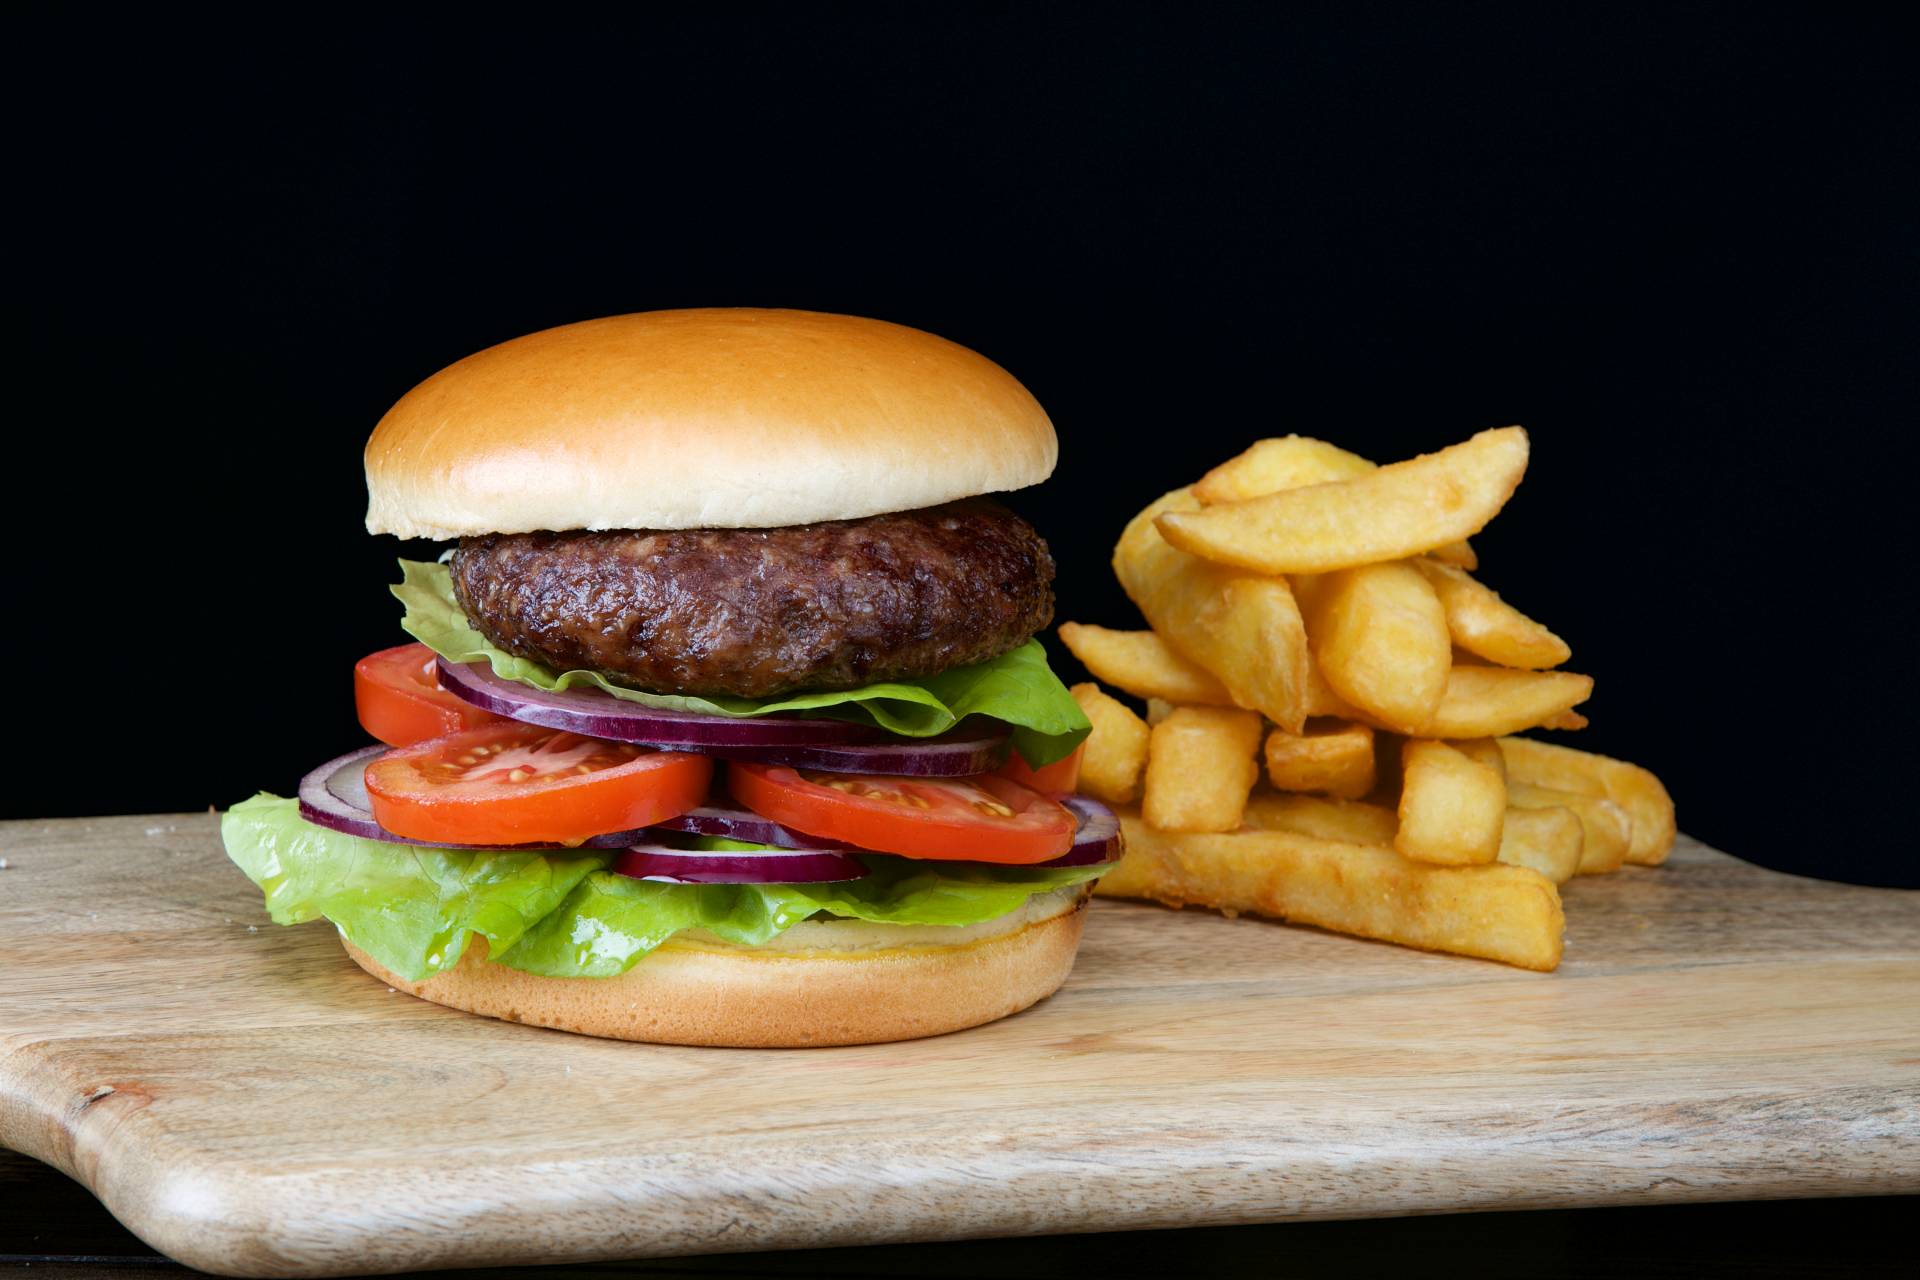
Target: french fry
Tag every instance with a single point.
(1293, 462)
(1158, 709)
(1334, 759)
(1200, 768)
(1388, 514)
(1116, 753)
(1451, 807)
(1322, 701)
(1548, 840)
(1348, 820)
(1482, 623)
(1606, 829)
(1283, 462)
(1243, 627)
(1509, 914)
(1631, 787)
(1491, 702)
(1142, 664)
(1486, 751)
(1379, 638)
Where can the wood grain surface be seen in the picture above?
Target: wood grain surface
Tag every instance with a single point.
(250, 1102)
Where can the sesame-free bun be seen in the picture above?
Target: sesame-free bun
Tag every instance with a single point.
(819, 983)
(715, 418)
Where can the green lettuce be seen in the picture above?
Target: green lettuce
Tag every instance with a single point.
(563, 914)
(1017, 687)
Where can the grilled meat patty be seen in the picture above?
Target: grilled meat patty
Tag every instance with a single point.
(758, 612)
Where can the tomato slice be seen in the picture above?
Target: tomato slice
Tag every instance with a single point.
(981, 819)
(398, 695)
(1050, 780)
(513, 783)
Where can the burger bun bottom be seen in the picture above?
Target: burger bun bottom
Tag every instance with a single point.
(707, 992)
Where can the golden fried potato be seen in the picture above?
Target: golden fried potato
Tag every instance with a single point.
(1292, 462)
(1158, 709)
(1491, 702)
(1200, 768)
(1116, 753)
(1451, 806)
(1379, 638)
(1460, 555)
(1142, 664)
(1243, 627)
(1283, 462)
(1333, 758)
(1388, 514)
(1606, 828)
(1486, 751)
(1482, 623)
(1633, 788)
(1509, 914)
(1348, 820)
(1548, 840)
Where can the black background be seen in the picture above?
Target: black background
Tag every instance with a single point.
(1677, 244)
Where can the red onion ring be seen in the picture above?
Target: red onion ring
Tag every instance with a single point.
(838, 746)
(1097, 838)
(595, 713)
(736, 866)
(334, 796)
(743, 824)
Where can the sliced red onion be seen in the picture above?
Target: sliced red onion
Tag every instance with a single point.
(742, 824)
(838, 746)
(594, 713)
(1097, 838)
(334, 796)
(958, 753)
(736, 866)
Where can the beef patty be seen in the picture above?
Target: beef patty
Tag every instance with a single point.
(758, 612)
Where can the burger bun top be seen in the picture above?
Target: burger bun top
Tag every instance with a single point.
(711, 418)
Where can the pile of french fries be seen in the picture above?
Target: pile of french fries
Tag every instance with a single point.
(1315, 618)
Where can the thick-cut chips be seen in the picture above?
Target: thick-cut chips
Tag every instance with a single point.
(1158, 709)
(1606, 830)
(1548, 840)
(1379, 638)
(1243, 627)
(1451, 806)
(1200, 768)
(1116, 753)
(1631, 787)
(1143, 664)
(1282, 462)
(1348, 820)
(1486, 751)
(1336, 759)
(1292, 462)
(1491, 702)
(1388, 514)
(1481, 622)
(1510, 914)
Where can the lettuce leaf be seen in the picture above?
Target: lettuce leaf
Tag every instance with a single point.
(1017, 687)
(562, 914)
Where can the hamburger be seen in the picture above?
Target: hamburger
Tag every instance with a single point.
(724, 720)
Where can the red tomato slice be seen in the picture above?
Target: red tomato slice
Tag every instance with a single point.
(398, 695)
(1050, 780)
(981, 819)
(513, 783)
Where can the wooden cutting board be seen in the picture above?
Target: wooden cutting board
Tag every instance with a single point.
(248, 1101)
